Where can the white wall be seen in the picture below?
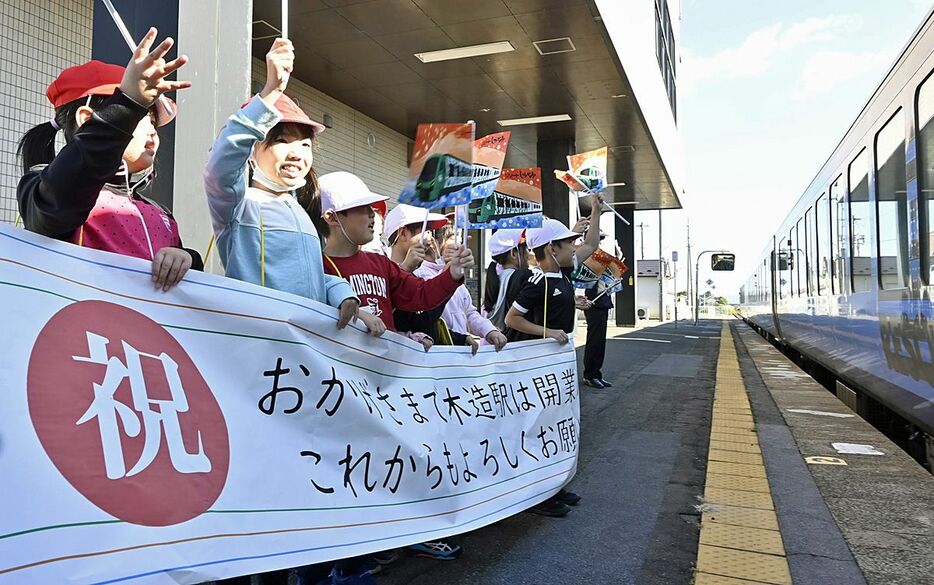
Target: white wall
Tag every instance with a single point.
(38, 38)
(631, 26)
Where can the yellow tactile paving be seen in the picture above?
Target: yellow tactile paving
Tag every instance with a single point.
(745, 431)
(751, 517)
(743, 499)
(743, 564)
(739, 540)
(733, 482)
(744, 538)
(741, 469)
(720, 414)
(747, 424)
(738, 446)
(734, 457)
(708, 579)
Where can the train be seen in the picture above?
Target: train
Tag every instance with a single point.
(443, 174)
(845, 284)
(499, 206)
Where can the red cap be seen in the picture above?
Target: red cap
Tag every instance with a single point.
(293, 114)
(97, 78)
(380, 208)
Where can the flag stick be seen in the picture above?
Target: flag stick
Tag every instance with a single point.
(131, 43)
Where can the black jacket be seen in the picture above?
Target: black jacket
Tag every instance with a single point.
(56, 200)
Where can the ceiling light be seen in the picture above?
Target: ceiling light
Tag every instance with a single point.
(465, 52)
(534, 120)
(484, 110)
(625, 203)
(554, 46)
(617, 96)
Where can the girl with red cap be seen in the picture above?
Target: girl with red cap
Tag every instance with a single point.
(264, 232)
(90, 192)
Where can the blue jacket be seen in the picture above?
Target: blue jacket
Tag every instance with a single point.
(243, 217)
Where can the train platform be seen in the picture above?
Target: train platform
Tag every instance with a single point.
(713, 459)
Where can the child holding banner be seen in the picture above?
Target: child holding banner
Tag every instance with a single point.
(460, 315)
(346, 206)
(546, 304)
(264, 232)
(506, 274)
(90, 192)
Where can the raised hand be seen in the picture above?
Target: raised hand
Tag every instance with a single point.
(414, 257)
(279, 63)
(461, 262)
(145, 77)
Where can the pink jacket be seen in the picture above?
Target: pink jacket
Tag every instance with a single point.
(460, 314)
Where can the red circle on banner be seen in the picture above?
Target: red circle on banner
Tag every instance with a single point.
(125, 416)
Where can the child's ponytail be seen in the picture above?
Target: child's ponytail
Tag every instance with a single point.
(37, 146)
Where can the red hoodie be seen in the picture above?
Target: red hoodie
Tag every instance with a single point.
(382, 286)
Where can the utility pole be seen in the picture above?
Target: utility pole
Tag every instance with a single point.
(641, 226)
(674, 262)
(690, 280)
(661, 273)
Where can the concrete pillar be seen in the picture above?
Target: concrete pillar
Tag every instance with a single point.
(626, 298)
(215, 34)
(552, 154)
(108, 45)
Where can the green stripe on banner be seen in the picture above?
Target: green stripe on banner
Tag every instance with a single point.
(277, 510)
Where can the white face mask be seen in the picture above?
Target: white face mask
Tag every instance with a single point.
(266, 181)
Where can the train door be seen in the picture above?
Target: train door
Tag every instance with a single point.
(775, 275)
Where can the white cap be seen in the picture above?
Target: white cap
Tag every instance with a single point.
(504, 240)
(341, 191)
(552, 230)
(402, 215)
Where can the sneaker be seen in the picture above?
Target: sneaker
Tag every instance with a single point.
(438, 550)
(567, 498)
(593, 383)
(551, 507)
(604, 382)
(386, 557)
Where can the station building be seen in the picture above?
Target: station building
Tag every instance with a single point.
(370, 70)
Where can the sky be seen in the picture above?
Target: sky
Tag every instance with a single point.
(766, 91)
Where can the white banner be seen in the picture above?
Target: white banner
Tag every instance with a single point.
(223, 429)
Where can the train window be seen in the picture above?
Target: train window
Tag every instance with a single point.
(790, 251)
(925, 109)
(892, 203)
(824, 246)
(800, 258)
(810, 239)
(768, 281)
(838, 226)
(860, 219)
